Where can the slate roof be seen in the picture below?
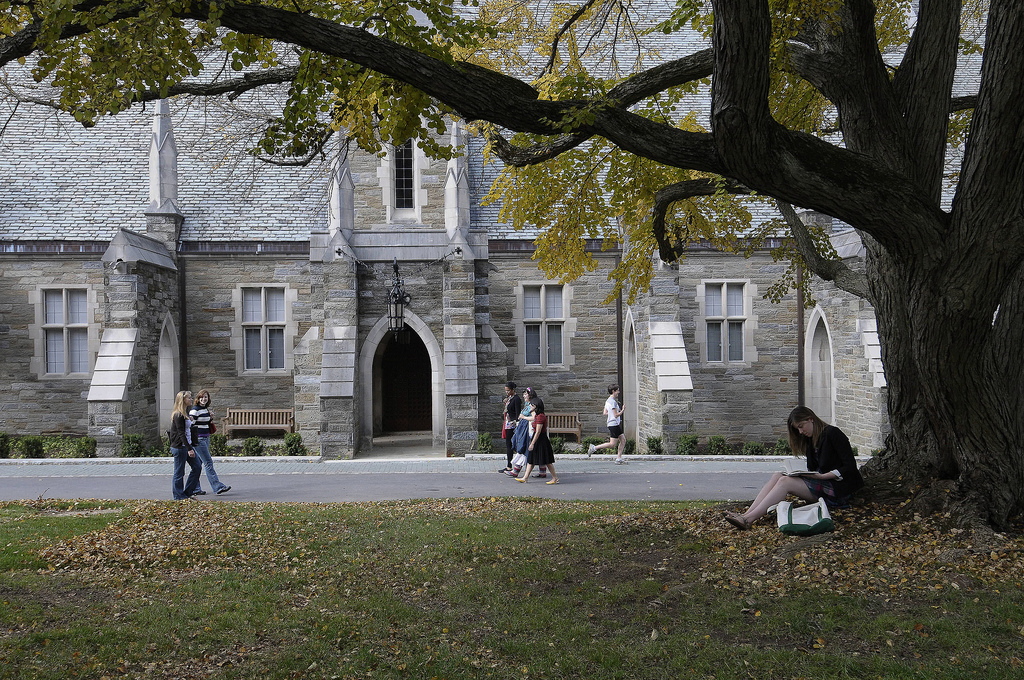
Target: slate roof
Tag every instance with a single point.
(73, 183)
(61, 181)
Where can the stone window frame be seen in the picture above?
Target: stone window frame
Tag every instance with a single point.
(747, 318)
(386, 176)
(239, 326)
(38, 331)
(566, 320)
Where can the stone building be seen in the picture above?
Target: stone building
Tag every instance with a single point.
(133, 265)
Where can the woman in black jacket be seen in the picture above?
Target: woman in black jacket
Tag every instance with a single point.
(513, 405)
(831, 474)
(183, 449)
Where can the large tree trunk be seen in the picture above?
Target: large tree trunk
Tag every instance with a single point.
(951, 334)
(946, 286)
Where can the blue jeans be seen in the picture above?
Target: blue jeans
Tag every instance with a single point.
(203, 454)
(181, 457)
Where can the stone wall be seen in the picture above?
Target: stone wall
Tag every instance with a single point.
(591, 363)
(493, 361)
(213, 347)
(860, 395)
(462, 409)
(138, 296)
(336, 369)
(30, 404)
(368, 173)
(655, 412)
(747, 401)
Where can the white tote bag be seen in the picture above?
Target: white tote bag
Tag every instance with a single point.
(805, 520)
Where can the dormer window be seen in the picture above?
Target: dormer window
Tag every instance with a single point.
(401, 182)
(405, 198)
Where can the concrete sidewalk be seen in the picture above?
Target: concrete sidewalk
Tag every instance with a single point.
(382, 464)
(383, 477)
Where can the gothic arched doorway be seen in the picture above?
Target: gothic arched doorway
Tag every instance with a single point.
(406, 396)
(819, 372)
(167, 374)
(631, 384)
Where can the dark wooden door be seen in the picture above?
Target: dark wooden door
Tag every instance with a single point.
(406, 398)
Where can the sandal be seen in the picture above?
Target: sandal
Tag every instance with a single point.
(551, 481)
(737, 521)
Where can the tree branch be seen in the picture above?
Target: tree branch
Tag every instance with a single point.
(922, 83)
(800, 169)
(993, 169)
(836, 271)
(580, 11)
(666, 196)
(521, 156)
(233, 87)
(964, 103)
(659, 78)
(318, 150)
(630, 91)
(23, 43)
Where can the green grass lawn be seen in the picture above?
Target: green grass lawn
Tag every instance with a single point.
(496, 588)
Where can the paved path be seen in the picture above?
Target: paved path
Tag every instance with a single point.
(394, 477)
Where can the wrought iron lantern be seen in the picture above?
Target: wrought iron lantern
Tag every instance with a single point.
(397, 300)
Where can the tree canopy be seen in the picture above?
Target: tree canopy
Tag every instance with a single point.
(600, 97)
(846, 107)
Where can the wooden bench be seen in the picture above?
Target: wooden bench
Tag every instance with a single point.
(565, 423)
(258, 419)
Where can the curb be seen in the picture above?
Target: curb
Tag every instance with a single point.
(598, 458)
(663, 457)
(153, 460)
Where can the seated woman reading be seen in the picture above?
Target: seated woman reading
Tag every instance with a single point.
(832, 469)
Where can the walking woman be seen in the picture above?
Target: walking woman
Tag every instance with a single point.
(182, 449)
(521, 435)
(540, 452)
(832, 469)
(513, 405)
(200, 415)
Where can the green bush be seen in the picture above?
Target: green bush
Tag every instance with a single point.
(218, 445)
(781, 448)
(69, 447)
(686, 445)
(558, 445)
(133, 447)
(717, 446)
(58, 447)
(754, 449)
(293, 445)
(630, 447)
(855, 451)
(5, 445)
(483, 443)
(253, 446)
(161, 450)
(654, 446)
(594, 439)
(32, 447)
(85, 447)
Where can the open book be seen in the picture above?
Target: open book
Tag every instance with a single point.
(796, 467)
